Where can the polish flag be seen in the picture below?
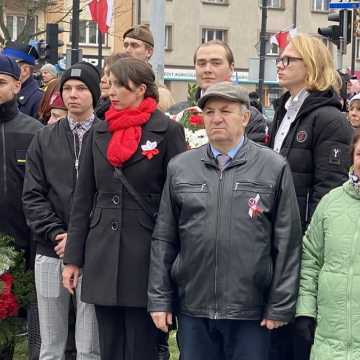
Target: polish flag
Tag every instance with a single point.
(281, 39)
(101, 13)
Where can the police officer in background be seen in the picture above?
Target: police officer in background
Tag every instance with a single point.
(30, 95)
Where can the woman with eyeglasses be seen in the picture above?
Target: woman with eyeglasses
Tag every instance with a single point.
(312, 133)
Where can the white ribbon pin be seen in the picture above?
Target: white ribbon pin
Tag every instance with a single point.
(149, 146)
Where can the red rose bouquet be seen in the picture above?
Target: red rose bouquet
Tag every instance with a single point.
(17, 290)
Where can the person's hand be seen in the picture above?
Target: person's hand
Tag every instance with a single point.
(305, 328)
(162, 320)
(61, 243)
(272, 324)
(71, 275)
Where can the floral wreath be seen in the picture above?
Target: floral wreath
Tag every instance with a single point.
(192, 120)
(17, 289)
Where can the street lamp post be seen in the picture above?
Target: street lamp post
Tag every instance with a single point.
(263, 39)
(75, 28)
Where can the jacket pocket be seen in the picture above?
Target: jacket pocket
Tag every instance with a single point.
(253, 186)
(191, 188)
(193, 201)
(20, 157)
(249, 195)
(146, 221)
(95, 218)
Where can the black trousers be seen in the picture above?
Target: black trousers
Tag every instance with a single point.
(206, 339)
(286, 345)
(126, 333)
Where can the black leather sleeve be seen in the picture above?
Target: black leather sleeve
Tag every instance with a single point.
(286, 252)
(164, 249)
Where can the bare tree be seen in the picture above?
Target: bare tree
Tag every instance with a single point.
(29, 8)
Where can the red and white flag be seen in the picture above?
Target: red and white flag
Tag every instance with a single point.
(281, 39)
(101, 13)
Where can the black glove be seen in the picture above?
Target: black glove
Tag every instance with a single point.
(305, 327)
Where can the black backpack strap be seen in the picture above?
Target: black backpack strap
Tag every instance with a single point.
(118, 173)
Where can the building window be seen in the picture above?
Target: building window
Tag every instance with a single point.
(357, 48)
(88, 33)
(273, 4)
(168, 37)
(271, 49)
(216, 1)
(213, 34)
(15, 25)
(320, 5)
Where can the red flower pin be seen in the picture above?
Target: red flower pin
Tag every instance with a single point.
(254, 208)
(150, 149)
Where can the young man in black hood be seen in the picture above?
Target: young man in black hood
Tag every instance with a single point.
(310, 131)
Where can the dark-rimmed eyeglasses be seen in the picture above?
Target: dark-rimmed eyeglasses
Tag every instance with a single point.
(286, 60)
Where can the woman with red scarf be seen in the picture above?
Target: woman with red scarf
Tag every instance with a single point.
(119, 187)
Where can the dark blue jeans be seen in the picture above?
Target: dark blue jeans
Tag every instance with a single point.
(205, 339)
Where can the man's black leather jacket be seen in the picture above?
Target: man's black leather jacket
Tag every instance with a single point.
(227, 244)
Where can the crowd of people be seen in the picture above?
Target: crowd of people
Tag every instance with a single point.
(247, 246)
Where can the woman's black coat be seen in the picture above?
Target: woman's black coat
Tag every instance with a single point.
(109, 234)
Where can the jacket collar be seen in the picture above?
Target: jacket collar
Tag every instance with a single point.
(8, 110)
(152, 131)
(240, 158)
(350, 190)
(29, 87)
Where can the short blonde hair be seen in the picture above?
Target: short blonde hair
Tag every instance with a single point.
(321, 73)
(165, 98)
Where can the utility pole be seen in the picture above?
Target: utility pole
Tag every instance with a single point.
(263, 40)
(295, 14)
(139, 11)
(100, 44)
(75, 26)
(157, 26)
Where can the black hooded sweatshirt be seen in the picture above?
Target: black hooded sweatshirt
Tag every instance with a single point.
(317, 147)
(16, 133)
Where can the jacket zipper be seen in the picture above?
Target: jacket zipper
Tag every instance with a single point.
(349, 291)
(307, 206)
(4, 157)
(220, 192)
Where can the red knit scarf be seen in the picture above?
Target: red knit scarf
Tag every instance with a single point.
(125, 126)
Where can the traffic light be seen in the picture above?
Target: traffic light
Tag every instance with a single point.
(334, 32)
(53, 43)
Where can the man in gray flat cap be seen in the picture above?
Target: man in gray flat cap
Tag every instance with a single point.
(226, 247)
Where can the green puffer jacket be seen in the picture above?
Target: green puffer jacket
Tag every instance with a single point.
(330, 275)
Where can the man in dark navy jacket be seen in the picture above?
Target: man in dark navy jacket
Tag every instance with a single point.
(30, 95)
